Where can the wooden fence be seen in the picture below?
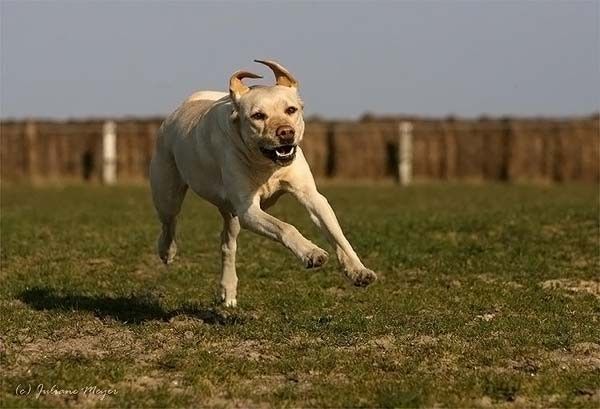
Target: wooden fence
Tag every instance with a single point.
(450, 149)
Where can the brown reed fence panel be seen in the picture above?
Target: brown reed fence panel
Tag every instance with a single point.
(11, 138)
(362, 151)
(430, 151)
(504, 149)
(315, 146)
(590, 149)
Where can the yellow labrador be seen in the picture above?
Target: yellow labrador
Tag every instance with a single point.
(239, 151)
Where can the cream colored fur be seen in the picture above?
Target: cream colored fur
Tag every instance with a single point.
(212, 145)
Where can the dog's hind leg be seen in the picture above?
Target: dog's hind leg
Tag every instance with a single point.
(229, 280)
(168, 192)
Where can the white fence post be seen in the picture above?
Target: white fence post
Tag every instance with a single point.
(109, 153)
(405, 153)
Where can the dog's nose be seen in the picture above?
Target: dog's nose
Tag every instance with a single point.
(285, 133)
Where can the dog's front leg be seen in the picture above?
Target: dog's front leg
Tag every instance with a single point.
(253, 218)
(229, 280)
(323, 216)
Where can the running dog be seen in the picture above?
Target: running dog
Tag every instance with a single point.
(239, 151)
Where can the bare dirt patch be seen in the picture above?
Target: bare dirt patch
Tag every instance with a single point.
(149, 266)
(553, 231)
(153, 380)
(424, 340)
(93, 342)
(85, 345)
(221, 402)
(337, 291)
(250, 350)
(102, 262)
(386, 343)
(577, 286)
(486, 317)
(489, 279)
(584, 355)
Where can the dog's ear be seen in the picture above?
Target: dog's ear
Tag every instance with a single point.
(282, 75)
(236, 87)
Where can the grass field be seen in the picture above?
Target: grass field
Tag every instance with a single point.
(488, 295)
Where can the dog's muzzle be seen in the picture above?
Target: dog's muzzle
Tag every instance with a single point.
(282, 155)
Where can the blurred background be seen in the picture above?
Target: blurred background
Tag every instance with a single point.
(406, 91)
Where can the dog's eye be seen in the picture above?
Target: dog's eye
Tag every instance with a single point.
(291, 110)
(258, 116)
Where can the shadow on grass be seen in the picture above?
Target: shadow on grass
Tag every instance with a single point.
(131, 309)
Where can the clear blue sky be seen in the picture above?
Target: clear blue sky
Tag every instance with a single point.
(103, 58)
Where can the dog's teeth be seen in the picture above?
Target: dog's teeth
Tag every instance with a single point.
(284, 155)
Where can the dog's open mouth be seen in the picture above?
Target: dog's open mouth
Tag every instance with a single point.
(283, 154)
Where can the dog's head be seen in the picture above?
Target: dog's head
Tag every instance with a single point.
(269, 118)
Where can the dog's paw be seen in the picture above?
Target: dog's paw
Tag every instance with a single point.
(231, 303)
(228, 297)
(362, 278)
(167, 254)
(315, 258)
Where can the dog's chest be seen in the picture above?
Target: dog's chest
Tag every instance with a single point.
(269, 189)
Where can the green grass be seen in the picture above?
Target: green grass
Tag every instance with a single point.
(487, 295)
